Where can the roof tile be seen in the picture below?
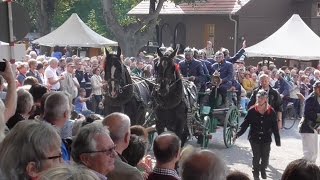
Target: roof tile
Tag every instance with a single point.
(204, 7)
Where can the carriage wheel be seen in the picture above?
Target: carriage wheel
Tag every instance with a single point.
(231, 124)
(206, 131)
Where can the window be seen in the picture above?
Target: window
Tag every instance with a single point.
(318, 9)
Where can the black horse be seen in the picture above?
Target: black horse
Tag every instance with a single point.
(170, 97)
(124, 93)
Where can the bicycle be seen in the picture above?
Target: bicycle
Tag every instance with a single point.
(291, 116)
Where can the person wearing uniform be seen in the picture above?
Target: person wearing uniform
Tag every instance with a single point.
(233, 60)
(262, 120)
(225, 69)
(309, 124)
(192, 69)
(237, 56)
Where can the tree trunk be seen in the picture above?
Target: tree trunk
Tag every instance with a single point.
(131, 45)
(45, 13)
(133, 37)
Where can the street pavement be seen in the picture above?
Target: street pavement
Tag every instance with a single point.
(239, 156)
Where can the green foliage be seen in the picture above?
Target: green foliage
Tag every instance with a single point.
(30, 7)
(122, 7)
(90, 11)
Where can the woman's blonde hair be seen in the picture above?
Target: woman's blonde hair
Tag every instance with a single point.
(70, 172)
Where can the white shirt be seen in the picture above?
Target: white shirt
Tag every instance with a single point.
(96, 83)
(51, 73)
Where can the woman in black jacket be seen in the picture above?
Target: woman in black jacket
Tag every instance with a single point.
(263, 122)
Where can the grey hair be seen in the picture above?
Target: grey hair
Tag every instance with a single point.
(53, 60)
(24, 101)
(77, 172)
(28, 141)
(117, 132)
(55, 106)
(214, 168)
(85, 142)
(263, 76)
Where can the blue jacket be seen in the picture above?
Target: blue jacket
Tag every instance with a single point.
(193, 68)
(236, 56)
(226, 71)
(205, 69)
(283, 88)
(312, 107)
(208, 65)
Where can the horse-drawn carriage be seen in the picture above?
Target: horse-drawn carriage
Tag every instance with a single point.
(174, 102)
(210, 116)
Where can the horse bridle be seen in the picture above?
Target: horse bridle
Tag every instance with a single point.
(172, 83)
(123, 77)
(117, 80)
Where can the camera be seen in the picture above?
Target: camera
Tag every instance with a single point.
(2, 65)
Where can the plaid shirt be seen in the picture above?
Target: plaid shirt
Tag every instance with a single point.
(167, 172)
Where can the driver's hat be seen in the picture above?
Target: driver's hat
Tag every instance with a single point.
(316, 84)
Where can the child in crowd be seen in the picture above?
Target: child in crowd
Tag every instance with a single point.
(80, 105)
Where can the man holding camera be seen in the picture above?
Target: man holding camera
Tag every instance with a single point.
(309, 125)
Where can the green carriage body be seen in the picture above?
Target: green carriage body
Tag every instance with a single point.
(211, 117)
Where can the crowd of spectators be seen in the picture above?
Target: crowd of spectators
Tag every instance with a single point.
(51, 125)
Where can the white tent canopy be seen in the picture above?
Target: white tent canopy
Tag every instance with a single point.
(3, 43)
(74, 32)
(294, 40)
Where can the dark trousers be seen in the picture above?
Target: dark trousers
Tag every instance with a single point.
(95, 101)
(261, 152)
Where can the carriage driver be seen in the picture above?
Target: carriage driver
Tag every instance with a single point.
(225, 68)
(191, 69)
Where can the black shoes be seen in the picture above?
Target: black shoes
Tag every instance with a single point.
(255, 175)
(263, 174)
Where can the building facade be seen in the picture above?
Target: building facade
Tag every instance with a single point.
(227, 22)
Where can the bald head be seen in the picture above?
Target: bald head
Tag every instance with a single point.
(204, 165)
(166, 147)
(119, 126)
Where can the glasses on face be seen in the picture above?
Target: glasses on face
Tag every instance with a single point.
(55, 157)
(107, 152)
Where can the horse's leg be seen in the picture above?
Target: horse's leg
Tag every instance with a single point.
(161, 119)
(178, 123)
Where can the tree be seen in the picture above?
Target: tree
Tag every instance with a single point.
(133, 36)
(136, 32)
(41, 13)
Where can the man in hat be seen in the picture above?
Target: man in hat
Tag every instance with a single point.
(226, 71)
(192, 69)
(237, 56)
(309, 125)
